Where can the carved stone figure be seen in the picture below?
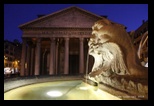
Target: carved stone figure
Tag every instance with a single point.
(112, 49)
(114, 56)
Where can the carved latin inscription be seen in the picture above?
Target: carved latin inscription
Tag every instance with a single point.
(52, 33)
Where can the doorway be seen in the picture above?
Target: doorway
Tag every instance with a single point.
(73, 64)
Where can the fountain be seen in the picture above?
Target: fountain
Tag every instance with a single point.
(116, 66)
(53, 88)
(86, 78)
(87, 65)
(116, 62)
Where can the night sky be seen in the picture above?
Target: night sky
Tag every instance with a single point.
(130, 15)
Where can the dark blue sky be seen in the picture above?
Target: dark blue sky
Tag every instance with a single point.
(130, 15)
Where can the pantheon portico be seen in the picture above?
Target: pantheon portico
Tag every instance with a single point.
(57, 43)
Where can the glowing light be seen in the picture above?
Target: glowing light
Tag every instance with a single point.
(146, 65)
(54, 93)
(83, 88)
(16, 63)
(5, 57)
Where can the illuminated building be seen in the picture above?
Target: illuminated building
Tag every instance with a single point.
(12, 54)
(57, 43)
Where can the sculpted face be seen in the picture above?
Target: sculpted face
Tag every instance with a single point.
(95, 44)
(103, 30)
(115, 58)
(97, 34)
(104, 51)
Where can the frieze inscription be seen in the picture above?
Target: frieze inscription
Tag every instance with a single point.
(65, 33)
(58, 32)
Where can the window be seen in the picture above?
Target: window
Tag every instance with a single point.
(10, 65)
(11, 59)
(145, 29)
(6, 64)
(6, 51)
(6, 46)
(11, 48)
(11, 53)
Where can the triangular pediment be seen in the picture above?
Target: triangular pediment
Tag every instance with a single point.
(72, 17)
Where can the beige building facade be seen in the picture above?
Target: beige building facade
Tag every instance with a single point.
(57, 44)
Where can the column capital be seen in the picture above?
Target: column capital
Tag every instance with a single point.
(38, 40)
(67, 38)
(52, 39)
(33, 44)
(81, 39)
(24, 40)
(29, 42)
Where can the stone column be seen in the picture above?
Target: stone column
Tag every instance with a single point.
(66, 61)
(81, 66)
(23, 57)
(51, 66)
(32, 60)
(37, 57)
(28, 59)
(44, 61)
(56, 56)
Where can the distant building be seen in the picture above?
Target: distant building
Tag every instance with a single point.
(57, 43)
(12, 54)
(140, 40)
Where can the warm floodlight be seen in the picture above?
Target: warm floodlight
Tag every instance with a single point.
(54, 93)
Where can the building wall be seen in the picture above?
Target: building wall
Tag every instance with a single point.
(138, 35)
(64, 34)
(12, 54)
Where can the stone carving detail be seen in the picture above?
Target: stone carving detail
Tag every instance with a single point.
(115, 59)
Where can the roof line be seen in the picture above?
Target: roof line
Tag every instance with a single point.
(37, 19)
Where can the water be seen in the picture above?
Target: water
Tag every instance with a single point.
(59, 90)
(89, 80)
(87, 64)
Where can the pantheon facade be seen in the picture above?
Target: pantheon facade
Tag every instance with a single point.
(57, 43)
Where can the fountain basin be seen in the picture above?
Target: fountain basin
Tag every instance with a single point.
(64, 88)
